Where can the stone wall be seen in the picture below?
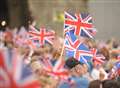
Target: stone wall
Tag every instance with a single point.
(50, 13)
(17, 12)
(106, 14)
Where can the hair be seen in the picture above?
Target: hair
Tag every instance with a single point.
(110, 84)
(95, 84)
(72, 62)
(105, 53)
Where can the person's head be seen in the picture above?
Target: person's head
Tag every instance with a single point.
(110, 84)
(85, 68)
(97, 64)
(95, 84)
(105, 52)
(8, 39)
(102, 76)
(74, 66)
(8, 36)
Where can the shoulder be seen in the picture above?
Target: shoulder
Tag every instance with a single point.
(64, 85)
(82, 82)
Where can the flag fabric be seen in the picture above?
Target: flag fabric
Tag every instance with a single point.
(81, 23)
(81, 55)
(97, 58)
(75, 48)
(118, 57)
(115, 70)
(14, 73)
(41, 35)
(23, 32)
(117, 65)
(22, 39)
(71, 41)
(57, 71)
(25, 41)
(60, 70)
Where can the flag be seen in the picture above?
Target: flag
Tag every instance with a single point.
(60, 70)
(81, 55)
(57, 71)
(97, 58)
(82, 24)
(75, 48)
(22, 32)
(14, 73)
(115, 70)
(31, 44)
(118, 57)
(19, 40)
(71, 41)
(20, 37)
(41, 35)
(117, 65)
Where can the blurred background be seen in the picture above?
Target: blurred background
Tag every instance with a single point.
(50, 13)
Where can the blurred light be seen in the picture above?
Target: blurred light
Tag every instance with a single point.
(3, 23)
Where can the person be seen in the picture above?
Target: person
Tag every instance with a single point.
(95, 84)
(110, 84)
(76, 79)
(98, 72)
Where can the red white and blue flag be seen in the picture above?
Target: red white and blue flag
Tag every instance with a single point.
(116, 66)
(42, 35)
(75, 48)
(25, 42)
(14, 73)
(22, 39)
(97, 58)
(81, 23)
(71, 41)
(115, 71)
(57, 70)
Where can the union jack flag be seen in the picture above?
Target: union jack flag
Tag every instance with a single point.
(14, 73)
(57, 70)
(115, 71)
(20, 37)
(97, 58)
(24, 41)
(75, 48)
(118, 57)
(82, 24)
(81, 55)
(42, 35)
(60, 70)
(71, 41)
(117, 65)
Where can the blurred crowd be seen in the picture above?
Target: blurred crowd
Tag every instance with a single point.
(77, 75)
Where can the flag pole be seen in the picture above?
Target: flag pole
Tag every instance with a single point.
(62, 51)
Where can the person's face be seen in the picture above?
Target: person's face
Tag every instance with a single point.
(97, 65)
(85, 68)
(73, 72)
(77, 70)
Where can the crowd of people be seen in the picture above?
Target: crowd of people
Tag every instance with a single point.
(77, 74)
